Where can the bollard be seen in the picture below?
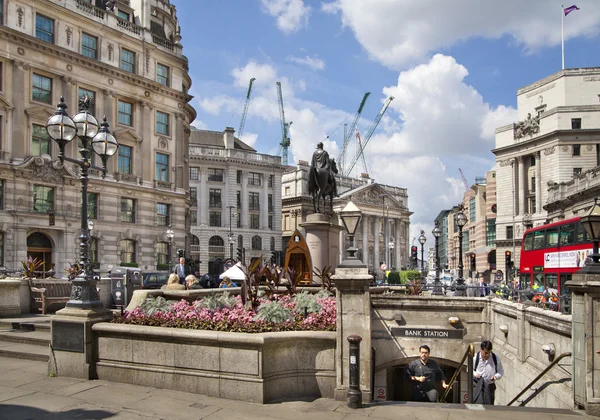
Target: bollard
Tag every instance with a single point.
(354, 392)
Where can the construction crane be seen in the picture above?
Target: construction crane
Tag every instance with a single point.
(285, 128)
(464, 180)
(341, 161)
(370, 130)
(362, 155)
(245, 113)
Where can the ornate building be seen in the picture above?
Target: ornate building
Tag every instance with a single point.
(384, 230)
(235, 194)
(555, 142)
(128, 57)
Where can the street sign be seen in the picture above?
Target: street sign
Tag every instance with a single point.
(229, 263)
(499, 275)
(383, 267)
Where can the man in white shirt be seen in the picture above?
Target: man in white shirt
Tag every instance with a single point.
(487, 369)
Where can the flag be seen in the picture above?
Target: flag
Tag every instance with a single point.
(570, 9)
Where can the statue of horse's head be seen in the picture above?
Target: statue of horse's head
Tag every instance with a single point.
(334, 168)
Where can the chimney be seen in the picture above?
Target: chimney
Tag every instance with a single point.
(228, 137)
(303, 163)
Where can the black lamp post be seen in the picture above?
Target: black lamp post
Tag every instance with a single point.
(170, 235)
(351, 216)
(422, 240)
(591, 224)
(62, 129)
(437, 287)
(230, 236)
(461, 220)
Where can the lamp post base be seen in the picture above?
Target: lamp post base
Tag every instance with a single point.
(437, 289)
(461, 288)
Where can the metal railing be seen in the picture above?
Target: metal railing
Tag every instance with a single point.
(537, 378)
(468, 356)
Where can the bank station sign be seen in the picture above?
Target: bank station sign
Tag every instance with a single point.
(405, 332)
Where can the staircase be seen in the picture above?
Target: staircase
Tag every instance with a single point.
(25, 338)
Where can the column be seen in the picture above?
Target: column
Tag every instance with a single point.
(399, 245)
(538, 182)
(245, 216)
(72, 102)
(144, 150)
(342, 241)
(365, 239)
(203, 197)
(108, 102)
(264, 200)
(377, 229)
(521, 187)
(19, 126)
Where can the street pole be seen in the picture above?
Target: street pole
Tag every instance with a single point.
(230, 234)
(437, 288)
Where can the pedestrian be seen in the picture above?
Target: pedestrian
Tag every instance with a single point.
(182, 270)
(482, 287)
(173, 283)
(487, 369)
(425, 372)
(191, 282)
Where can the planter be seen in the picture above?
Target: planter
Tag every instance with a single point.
(10, 298)
(257, 368)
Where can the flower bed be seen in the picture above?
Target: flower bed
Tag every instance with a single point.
(303, 312)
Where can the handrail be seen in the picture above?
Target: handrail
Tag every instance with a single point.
(470, 352)
(550, 366)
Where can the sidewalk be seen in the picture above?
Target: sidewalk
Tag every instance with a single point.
(26, 392)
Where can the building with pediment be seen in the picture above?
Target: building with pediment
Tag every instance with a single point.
(383, 235)
(127, 56)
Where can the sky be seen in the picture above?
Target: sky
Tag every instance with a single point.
(453, 68)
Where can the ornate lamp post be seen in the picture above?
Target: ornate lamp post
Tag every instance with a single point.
(391, 246)
(437, 287)
(422, 240)
(461, 220)
(351, 216)
(230, 236)
(62, 129)
(170, 235)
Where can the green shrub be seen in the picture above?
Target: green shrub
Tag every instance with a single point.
(274, 312)
(306, 301)
(129, 264)
(162, 267)
(410, 276)
(220, 301)
(393, 277)
(152, 306)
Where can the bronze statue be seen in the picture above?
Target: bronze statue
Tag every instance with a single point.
(321, 179)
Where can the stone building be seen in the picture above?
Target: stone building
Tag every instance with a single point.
(555, 141)
(128, 57)
(385, 216)
(235, 195)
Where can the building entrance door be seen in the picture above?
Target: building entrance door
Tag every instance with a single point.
(402, 386)
(39, 246)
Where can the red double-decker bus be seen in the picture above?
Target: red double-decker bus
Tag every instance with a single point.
(550, 254)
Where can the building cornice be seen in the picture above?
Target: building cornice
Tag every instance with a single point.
(566, 72)
(563, 135)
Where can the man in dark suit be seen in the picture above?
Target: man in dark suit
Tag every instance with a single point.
(182, 270)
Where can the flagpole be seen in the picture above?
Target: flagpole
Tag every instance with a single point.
(562, 37)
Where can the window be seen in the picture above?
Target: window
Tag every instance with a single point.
(538, 239)
(465, 241)
(1, 23)
(490, 232)
(253, 202)
(43, 199)
(1, 65)
(256, 243)
(272, 243)
(215, 174)
(41, 89)
(89, 46)
(254, 179)
(472, 210)
(128, 210)
(162, 123)
(92, 205)
(254, 221)
(567, 234)
(162, 167)
(214, 198)
(509, 232)
(127, 247)
(123, 15)
(577, 150)
(215, 218)
(92, 95)
(239, 199)
(239, 177)
(194, 196)
(532, 189)
(194, 173)
(125, 113)
(193, 218)
(576, 171)
(575, 123)
(552, 237)
(532, 205)
(162, 214)
(270, 222)
(1, 194)
(287, 191)
(125, 153)
(94, 253)
(127, 60)
(40, 141)
(162, 253)
(532, 161)
(270, 203)
(528, 242)
(44, 28)
(271, 178)
(162, 74)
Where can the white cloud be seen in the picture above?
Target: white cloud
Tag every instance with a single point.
(291, 15)
(314, 63)
(398, 33)
(200, 125)
(250, 139)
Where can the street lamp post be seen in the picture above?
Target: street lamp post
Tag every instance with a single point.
(437, 287)
(230, 236)
(422, 240)
(62, 129)
(391, 246)
(461, 220)
(351, 216)
(170, 235)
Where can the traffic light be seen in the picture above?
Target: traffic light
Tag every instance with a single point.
(508, 258)
(472, 257)
(239, 254)
(273, 258)
(413, 255)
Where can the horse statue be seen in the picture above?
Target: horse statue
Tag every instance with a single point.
(321, 179)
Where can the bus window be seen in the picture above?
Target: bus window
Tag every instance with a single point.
(582, 236)
(529, 242)
(552, 237)
(538, 282)
(567, 234)
(564, 290)
(525, 281)
(552, 282)
(538, 239)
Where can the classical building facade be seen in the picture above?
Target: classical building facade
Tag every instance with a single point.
(127, 56)
(554, 143)
(384, 230)
(235, 195)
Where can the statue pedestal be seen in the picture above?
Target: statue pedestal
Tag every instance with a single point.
(323, 239)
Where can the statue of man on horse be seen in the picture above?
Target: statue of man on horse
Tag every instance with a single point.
(321, 179)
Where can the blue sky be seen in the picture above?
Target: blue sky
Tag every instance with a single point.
(452, 66)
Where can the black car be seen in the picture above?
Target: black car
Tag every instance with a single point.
(155, 279)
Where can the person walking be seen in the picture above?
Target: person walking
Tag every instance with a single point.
(425, 372)
(182, 270)
(487, 369)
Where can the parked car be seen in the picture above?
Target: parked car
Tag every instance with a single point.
(155, 279)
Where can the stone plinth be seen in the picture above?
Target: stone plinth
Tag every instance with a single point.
(585, 287)
(10, 297)
(353, 317)
(322, 237)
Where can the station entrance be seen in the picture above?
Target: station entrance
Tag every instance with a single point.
(400, 387)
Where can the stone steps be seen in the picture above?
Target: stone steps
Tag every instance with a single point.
(25, 338)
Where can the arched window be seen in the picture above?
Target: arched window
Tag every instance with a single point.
(256, 243)
(194, 240)
(216, 241)
(127, 247)
(162, 253)
(272, 243)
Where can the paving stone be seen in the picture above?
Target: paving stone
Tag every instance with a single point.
(16, 378)
(73, 390)
(113, 396)
(43, 401)
(8, 393)
(83, 411)
(173, 408)
(49, 384)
